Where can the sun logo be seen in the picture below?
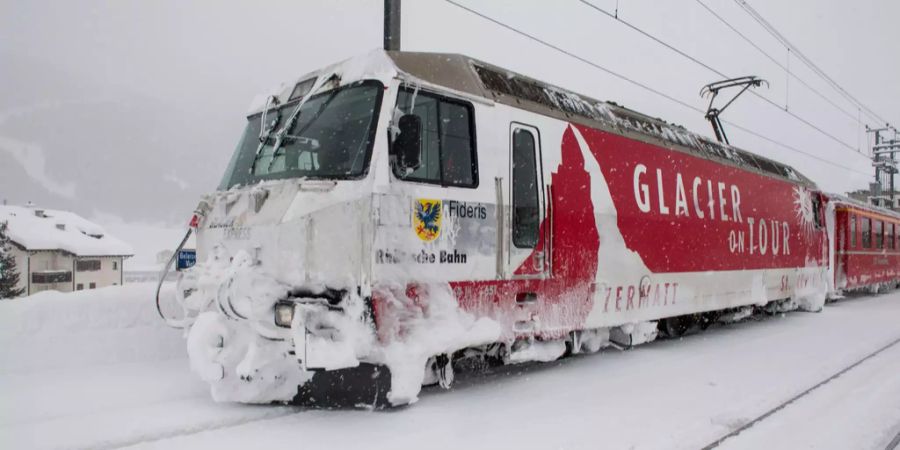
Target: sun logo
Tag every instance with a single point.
(427, 219)
(803, 207)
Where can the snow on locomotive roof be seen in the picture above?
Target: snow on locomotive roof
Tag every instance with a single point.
(477, 79)
(374, 65)
(48, 229)
(462, 73)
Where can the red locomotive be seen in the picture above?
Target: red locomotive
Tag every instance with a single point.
(399, 211)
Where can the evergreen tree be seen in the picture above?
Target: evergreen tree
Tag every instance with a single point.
(9, 274)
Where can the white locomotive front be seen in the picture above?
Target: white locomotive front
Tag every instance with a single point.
(285, 247)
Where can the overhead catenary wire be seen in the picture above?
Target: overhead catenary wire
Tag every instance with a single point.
(644, 86)
(804, 59)
(574, 56)
(723, 75)
(787, 80)
(794, 149)
(777, 62)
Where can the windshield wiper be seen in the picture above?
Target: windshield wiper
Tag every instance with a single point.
(266, 131)
(280, 138)
(315, 87)
(280, 134)
(319, 112)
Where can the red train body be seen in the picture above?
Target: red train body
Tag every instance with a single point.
(866, 246)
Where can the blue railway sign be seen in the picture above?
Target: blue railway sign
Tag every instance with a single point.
(186, 259)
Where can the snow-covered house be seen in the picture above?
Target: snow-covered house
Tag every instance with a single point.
(62, 251)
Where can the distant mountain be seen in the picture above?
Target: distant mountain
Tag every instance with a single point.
(104, 148)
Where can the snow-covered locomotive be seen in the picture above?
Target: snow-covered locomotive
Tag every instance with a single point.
(398, 211)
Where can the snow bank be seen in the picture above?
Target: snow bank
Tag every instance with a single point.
(103, 326)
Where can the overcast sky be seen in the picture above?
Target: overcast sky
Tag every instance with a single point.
(203, 61)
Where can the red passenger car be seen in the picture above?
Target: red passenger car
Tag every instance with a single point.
(867, 252)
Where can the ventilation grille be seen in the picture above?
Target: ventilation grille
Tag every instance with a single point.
(509, 84)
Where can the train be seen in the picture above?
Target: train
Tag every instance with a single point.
(392, 218)
(866, 246)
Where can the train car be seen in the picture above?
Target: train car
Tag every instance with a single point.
(865, 246)
(398, 213)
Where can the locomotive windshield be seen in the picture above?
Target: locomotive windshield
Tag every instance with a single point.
(330, 137)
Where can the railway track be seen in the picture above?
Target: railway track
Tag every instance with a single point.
(139, 440)
(894, 444)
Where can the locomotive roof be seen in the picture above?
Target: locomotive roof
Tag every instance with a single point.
(471, 76)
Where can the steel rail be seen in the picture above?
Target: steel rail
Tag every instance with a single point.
(192, 430)
(894, 444)
(787, 402)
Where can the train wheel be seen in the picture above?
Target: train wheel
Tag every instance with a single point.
(674, 327)
(444, 370)
(430, 378)
(709, 318)
(587, 341)
(439, 370)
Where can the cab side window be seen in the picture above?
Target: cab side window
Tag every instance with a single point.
(447, 153)
(866, 229)
(526, 215)
(817, 212)
(889, 235)
(879, 236)
(456, 145)
(852, 230)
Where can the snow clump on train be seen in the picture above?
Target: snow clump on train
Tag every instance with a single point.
(431, 327)
(240, 359)
(233, 345)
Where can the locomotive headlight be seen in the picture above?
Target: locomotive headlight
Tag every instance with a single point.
(284, 314)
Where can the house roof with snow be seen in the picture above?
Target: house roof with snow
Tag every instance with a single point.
(37, 229)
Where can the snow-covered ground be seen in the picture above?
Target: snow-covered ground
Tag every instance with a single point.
(97, 369)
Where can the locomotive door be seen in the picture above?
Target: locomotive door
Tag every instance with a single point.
(528, 253)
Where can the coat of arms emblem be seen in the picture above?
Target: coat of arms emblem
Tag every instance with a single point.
(427, 219)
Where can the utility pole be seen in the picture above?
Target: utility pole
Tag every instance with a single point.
(885, 164)
(392, 25)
